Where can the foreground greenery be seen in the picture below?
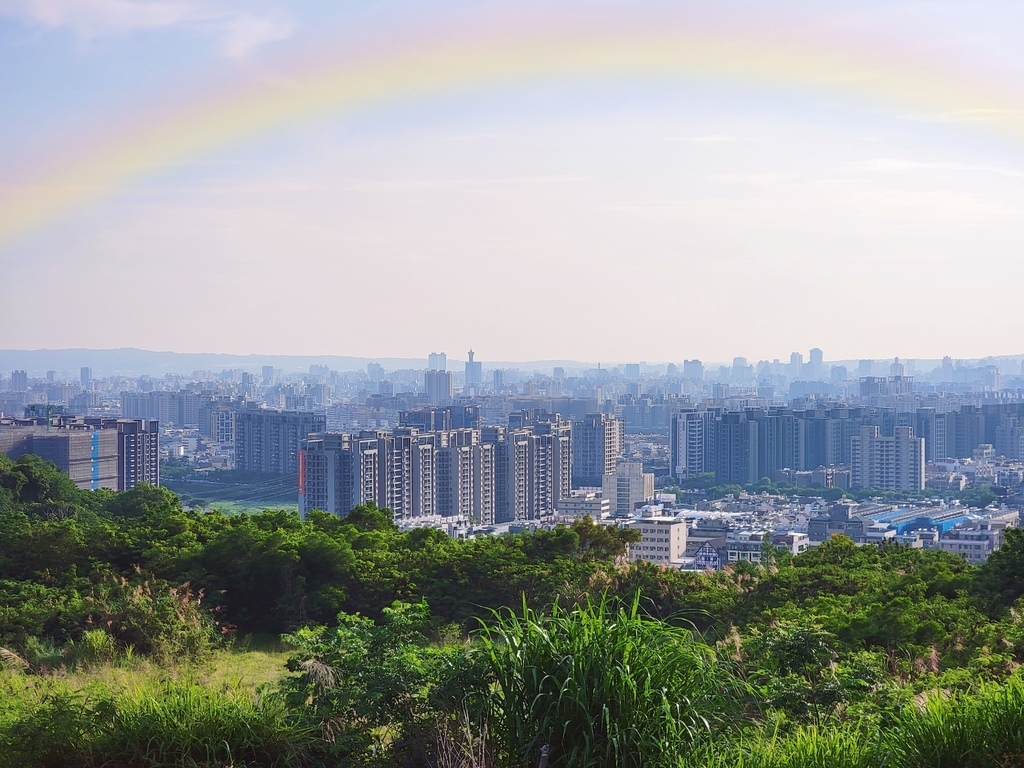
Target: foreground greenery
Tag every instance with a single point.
(127, 626)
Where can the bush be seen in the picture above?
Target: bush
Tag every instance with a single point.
(383, 693)
(153, 618)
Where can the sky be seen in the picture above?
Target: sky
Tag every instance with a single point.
(600, 181)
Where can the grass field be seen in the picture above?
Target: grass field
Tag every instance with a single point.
(230, 497)
(132, 712)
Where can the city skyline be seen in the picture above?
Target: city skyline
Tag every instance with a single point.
(72, 363)
(721, 177)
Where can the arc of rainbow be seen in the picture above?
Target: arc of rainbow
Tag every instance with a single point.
(351, 84)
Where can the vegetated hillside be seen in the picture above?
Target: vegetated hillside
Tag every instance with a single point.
(410, 648)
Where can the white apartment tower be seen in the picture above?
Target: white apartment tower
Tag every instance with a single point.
(888, 463)
(690, 439)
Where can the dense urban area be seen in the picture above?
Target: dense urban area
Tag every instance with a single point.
(788, 563)
(706, 461)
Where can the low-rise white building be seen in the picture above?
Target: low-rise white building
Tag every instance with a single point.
(975, 541)
(662, 539)
(582, 503)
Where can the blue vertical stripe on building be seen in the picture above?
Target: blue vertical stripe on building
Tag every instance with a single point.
(95, 460)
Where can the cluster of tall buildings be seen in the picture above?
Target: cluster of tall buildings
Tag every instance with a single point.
(884, 447)
(95, 453)
(439, 382)
(268, 441)
(492, 474)
(743, 447)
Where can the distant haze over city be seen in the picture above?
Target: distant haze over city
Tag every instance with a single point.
(154, 363)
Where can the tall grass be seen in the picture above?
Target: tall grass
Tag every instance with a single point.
(600, 685)
(840, 745)
(183, 724)
(964, 730)
(151, 717)
(983, 729)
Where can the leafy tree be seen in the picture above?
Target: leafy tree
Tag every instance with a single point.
(796, 667)
(977, 496)
(601, 542)
(1000, 579)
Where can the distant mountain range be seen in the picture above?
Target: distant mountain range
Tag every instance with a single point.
(145, 362)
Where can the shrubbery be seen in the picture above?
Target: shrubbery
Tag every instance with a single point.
(413, 649)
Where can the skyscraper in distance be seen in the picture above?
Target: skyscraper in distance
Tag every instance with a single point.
(439, 387)
(474, 372)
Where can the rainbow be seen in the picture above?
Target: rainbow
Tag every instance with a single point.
(353, 82)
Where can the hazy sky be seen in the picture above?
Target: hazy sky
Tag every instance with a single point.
(619, 213)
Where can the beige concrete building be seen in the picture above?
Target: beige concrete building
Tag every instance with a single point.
(628, 487)
(662, 539)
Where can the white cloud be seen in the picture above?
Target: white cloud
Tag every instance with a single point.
(90, 16)
(241, 32)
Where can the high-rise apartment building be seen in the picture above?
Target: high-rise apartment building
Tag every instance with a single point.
(938, 430)
(138, 453)
(222, 425)
(439, 387)
(597, 442)
(441, 419)
(474, 372)
(19, 381)
(1009, 437)
(691, 443)
(693, 369)
(180, 409)
(406, 480)
(465, 476)
(736, 444)
(268, 441)
(532, 467)
(816, 366)
(86, 377)
(888, 463)
(338, 472)
(437, 361)
(796, 365)
(412, 473)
